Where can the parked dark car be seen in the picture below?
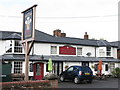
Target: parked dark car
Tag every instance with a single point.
(77, 74)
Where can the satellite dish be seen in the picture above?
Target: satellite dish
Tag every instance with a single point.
(88, 54)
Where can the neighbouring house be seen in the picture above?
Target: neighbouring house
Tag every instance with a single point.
(117, 43)
(64, 52)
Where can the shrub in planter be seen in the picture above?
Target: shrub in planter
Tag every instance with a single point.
(116, 72)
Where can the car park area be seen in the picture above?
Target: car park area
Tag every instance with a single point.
(107, 83)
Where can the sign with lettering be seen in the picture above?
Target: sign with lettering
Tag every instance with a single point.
(67, 50)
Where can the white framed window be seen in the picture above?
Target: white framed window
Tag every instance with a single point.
(13, 46)
(101, 52)
(108, 51)
(8, 46)
(53, 49)
(79, 51)
(17, 67)
(17, 47)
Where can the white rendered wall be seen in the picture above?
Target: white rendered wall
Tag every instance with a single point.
(2, 47)
(41, 49)
(90, 65)
(88, 49)
(45, 49)
(12, 70)
(114, 52)
(70, 64)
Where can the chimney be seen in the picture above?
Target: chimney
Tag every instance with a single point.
(57, 33)
(63, 34)
(86, 36)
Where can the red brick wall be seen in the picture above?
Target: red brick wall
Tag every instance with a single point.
(30, 84)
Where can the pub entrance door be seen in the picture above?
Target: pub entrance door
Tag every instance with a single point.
(38, 71)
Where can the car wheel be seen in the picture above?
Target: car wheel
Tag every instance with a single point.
(76, 80)
(62, 78)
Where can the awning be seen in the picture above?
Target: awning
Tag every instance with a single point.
(21, 57)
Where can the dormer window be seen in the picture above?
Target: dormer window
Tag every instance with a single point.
(8, 46)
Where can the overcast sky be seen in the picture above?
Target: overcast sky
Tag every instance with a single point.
(74, 17)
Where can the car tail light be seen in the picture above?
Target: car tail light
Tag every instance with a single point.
(80, 72)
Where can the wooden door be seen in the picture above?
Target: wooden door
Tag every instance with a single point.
(38, 71)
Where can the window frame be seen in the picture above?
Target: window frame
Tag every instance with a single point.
(106, 67)
(18, 47)
(101, 52)
(108, 51)
(79, 53)
(18, 67)
(53, 50)
(13, 46)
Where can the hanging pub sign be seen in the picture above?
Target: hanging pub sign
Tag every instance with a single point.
(28, 23)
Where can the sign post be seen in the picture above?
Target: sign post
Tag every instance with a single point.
(28, 34)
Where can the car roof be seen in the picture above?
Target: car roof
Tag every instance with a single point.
(79, 66)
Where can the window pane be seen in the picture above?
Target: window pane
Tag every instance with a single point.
(79, 51)
(17, 67)
(108, 48)
(31, 67)
(101, 53)
(95, 67)
(106, 67)
(47, 68)
(8, 46)
(70, 69)
(108, 51)
(53, 49)
(38, 68)
(17, 47)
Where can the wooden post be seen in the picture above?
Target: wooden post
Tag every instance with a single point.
(27, 47)
(28, 34)
(26, 62)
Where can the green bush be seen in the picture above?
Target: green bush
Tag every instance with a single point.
(116, 72)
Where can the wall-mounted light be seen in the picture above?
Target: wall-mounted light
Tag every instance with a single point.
(42, 57)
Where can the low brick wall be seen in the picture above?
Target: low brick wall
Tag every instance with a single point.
(29, 85)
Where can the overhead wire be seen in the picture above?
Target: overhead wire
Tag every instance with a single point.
(62, 17)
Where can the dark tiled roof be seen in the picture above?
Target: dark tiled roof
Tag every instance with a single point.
(14, 36)
(46, 38)
(7, 35)
(116, 43)
(57, 58)
(104, 43)
(43, 37)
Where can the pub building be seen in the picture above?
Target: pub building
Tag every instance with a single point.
(64, 52)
